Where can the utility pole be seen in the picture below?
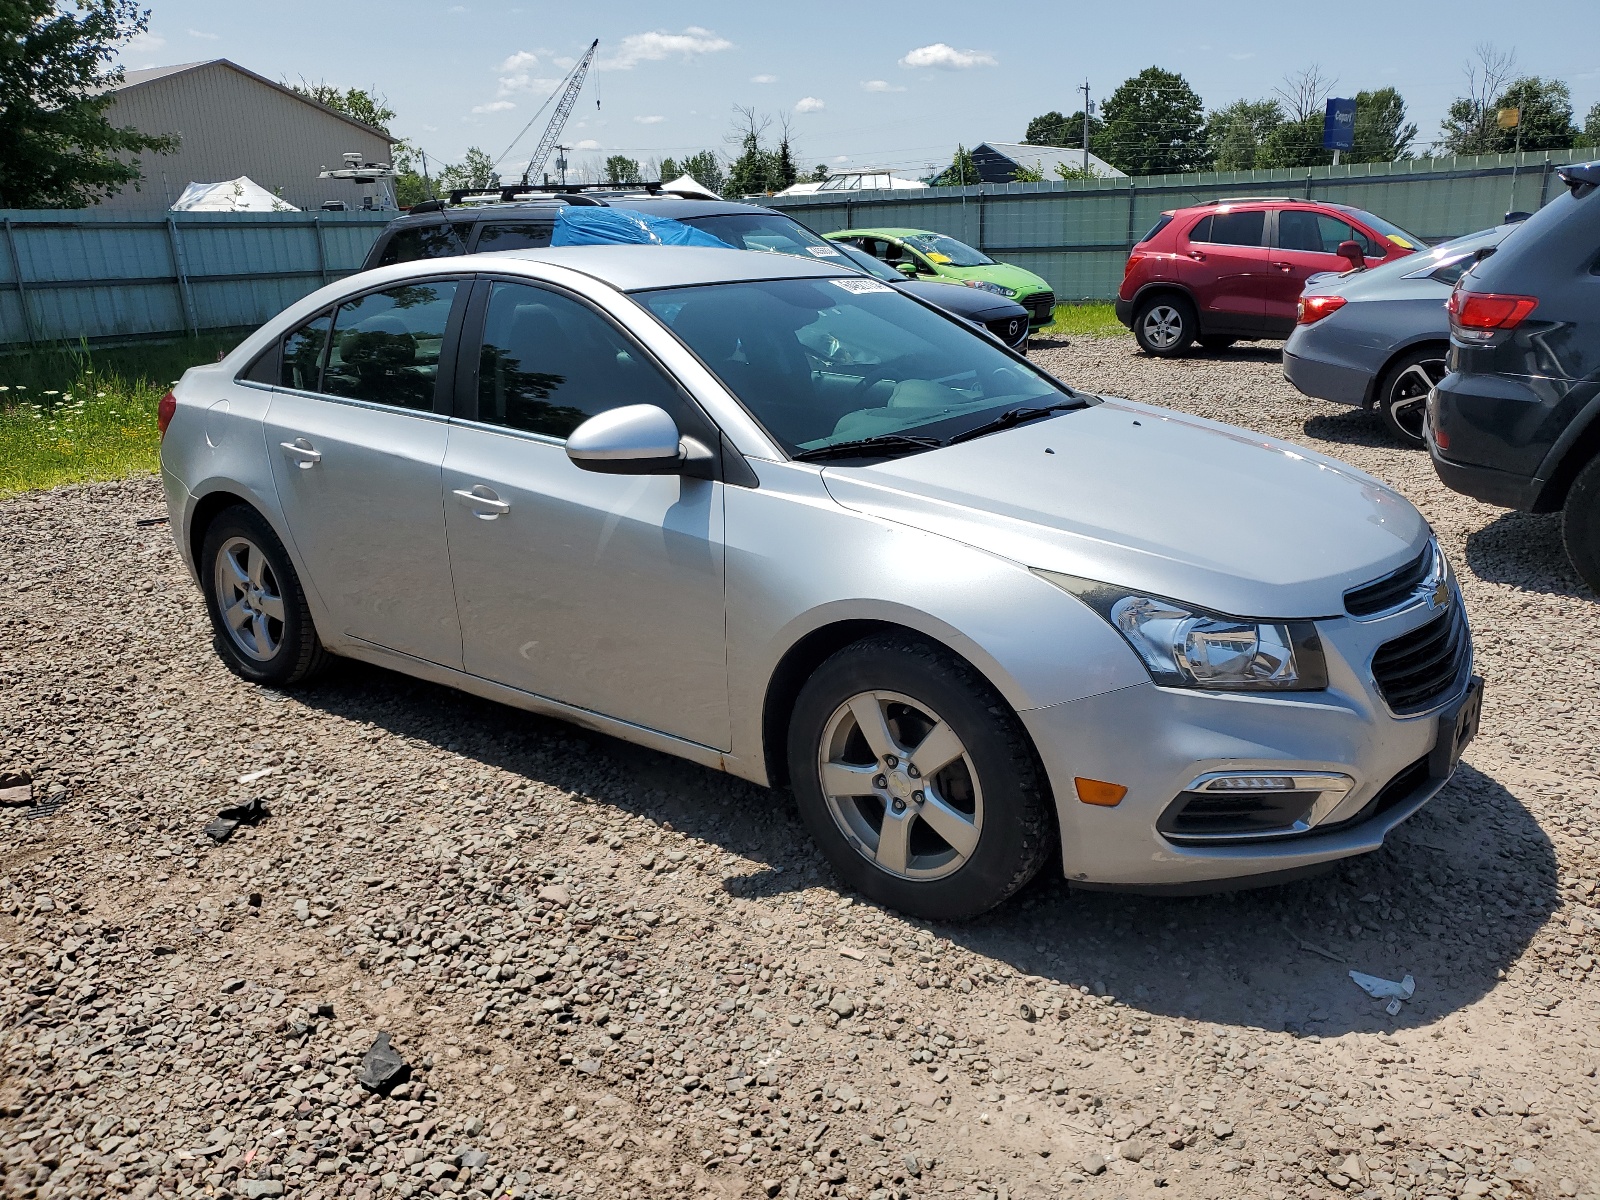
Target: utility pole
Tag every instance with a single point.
(1086, 110)
(561, 163)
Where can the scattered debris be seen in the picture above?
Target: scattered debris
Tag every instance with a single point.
(1316, 949)
(151, 521)
(1027, 1011)
(261, 774)
(383, 1068)
(1386, 989)
(229, 819)
(852, 953)
(49, 807)
(16, 787)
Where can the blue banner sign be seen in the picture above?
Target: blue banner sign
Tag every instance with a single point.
(1339, 125)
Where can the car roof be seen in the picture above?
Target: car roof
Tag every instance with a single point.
(640, 268)
(887, 231)
(545, 208)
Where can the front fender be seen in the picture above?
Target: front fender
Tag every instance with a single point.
(799, 562)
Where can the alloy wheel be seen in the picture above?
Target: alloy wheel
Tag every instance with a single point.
(249, 598)
(901, 786)
(1163, 326)
(1407, 401)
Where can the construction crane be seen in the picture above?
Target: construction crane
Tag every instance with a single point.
(566, 97)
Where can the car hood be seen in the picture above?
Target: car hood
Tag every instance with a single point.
(973, 303)
(1020, 281)
(1146, 498)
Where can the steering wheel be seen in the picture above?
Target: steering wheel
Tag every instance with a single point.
(878, 374)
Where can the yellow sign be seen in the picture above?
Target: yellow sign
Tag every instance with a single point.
(1510, 118)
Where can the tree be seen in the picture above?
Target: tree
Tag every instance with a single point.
(1591, 126)
(820, 175)
(757, 169)
(1022, 173)
(475, 170)
(1047, 130)
(1297, 140)
(412, 183)
(960, 172)
(1236, 134)
(1469, 126)
(57, 147)
(1069, 173)
(1545, 116)
(705, 168)
(787, 174)
(621, 169)
(1382, 133)
(1154, 123)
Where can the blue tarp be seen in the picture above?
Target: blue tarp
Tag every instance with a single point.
(587, 226)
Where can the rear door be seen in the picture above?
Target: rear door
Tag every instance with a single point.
(356, 432)
(1304, 243)
(1227, 266)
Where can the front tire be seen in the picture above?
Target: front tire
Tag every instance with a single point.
(1165, 326)
(917, 781)
(1402, 400)
(1580, 524)
(262, 625)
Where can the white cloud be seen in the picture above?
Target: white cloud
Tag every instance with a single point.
(763, 79)
(879, 85)
(512, 84)
(652, 120)
(841, 158)
(587, 144)
(520, 61)
(494, 106)
(658, 45)
(809, 104)
(948, 58)
(144, 43)
(202, 34)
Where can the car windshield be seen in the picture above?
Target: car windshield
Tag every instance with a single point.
(1400, 237)
(863, 261)
(820, 362)
(946, 251)
(768, 231)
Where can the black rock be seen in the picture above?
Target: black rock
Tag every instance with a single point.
(382, 1069)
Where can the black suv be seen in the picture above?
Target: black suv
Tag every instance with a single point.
(517, 218)
(1516, 422)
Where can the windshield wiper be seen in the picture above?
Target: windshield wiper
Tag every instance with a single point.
(887, 443)
(1015, 416)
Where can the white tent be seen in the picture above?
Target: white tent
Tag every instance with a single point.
(231, 195)
(688, 186)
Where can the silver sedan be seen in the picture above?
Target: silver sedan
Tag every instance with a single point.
(776, 518)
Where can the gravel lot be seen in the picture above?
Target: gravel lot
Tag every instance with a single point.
(617, 975)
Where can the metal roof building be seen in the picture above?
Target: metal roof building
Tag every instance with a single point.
(996, 161)
(232, 122)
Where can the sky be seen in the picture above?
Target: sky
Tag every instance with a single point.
(885, 84)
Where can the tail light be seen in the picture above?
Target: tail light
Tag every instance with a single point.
(1133, 261)
(164, 411)
(1478, 316)
(1314, 308)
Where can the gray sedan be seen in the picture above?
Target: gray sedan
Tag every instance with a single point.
(1378, 338)
(779, 519)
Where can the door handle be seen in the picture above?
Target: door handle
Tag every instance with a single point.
(1197, 256)
(1285, 267)
(301, 454)
(485, 505)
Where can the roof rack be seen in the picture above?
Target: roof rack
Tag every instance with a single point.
(572, 193)
(1244, 200)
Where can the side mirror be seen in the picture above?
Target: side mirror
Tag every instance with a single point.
(1351, 252)
(637, 439)
(908, 269)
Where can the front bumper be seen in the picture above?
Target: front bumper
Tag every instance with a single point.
(1155, 740)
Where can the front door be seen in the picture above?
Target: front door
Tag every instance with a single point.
(1304, 243)
(600, 591)
(1227, 269)
(357, 446)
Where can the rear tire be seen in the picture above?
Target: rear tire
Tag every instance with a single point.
(1165, 326)
(1580, 524)
(1216, 342)
(1402, 395)
(917, 780)
(263, 628)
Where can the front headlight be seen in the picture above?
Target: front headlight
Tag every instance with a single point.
(984, 285)
(1186, 646)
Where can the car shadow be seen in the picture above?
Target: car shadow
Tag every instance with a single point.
(1525, 551)
(1352, 427)
(1452, 900)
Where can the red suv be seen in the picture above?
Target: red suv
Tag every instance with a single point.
(1231, 269)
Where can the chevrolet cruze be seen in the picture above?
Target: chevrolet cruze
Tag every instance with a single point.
(777, 518)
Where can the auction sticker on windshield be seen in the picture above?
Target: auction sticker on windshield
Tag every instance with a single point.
(824, 251)
(858, 287)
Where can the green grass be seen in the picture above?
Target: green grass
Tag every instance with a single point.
(73, 414)
(1084, 320)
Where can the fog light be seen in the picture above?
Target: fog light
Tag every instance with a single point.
(1245, 805)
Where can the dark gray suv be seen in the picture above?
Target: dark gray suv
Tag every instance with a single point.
(1516, 422)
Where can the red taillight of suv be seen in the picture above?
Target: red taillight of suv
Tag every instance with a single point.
(164, 411)
(1478, 316)
(1134, 260)
(1314, 308)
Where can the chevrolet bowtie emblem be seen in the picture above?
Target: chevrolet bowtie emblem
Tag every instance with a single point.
(1441, 594)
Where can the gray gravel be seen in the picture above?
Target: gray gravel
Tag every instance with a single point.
(614, 974)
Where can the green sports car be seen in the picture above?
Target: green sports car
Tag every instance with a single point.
(923, 254)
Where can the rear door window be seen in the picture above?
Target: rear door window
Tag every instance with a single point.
(301, 365)
(519, 235)
(1232, 228)
(439, 240)
(386, 345)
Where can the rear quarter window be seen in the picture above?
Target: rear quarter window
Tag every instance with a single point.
(1166, 219)
(514, 235)
(422, 241)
